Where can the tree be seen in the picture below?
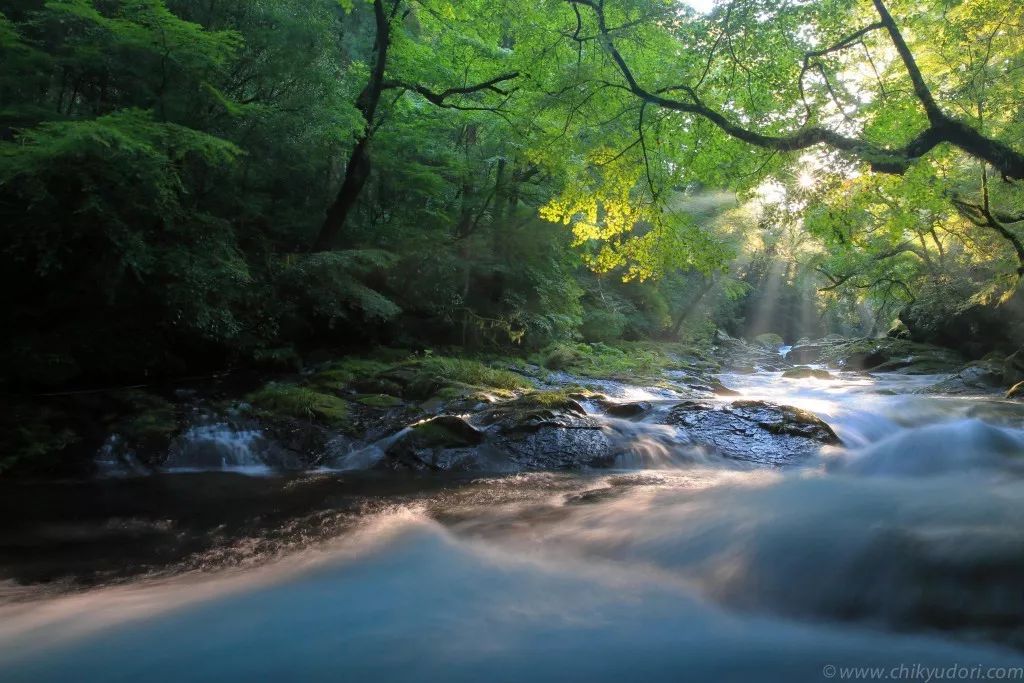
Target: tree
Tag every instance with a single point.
(357, 170)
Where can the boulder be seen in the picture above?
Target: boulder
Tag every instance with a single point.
(769, 340)
(807, 353)
(754, 431)
(1013, 368)
(898, 330)
(631, 409)
(979, 377)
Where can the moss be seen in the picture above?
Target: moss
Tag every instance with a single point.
(35, 437)
(769, 340)
(380, 401)
(290, 400)
(337, 374)
(557, 400)
(629, 361)
(149, 417)
(806, 373)
(561, 357)
(472, 372)
(445, 431)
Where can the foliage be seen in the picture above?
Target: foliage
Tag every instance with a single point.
(167, 165)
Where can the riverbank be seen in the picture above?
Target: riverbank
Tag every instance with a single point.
(896, 540)
(422, 408)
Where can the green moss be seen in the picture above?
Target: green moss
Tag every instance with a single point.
(806, 373)
(769, 340)
(34, 437)
(149, 416)
(290, 400)
(380, 401)
(623, 360)
(340, 373)
(472, 372)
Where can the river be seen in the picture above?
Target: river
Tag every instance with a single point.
(902, 548)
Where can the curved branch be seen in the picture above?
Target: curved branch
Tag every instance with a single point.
(943, 128)
(438, 98)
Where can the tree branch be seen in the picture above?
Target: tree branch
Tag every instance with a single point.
(943, 128)
(438, 98)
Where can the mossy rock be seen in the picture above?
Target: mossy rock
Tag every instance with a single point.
(561, 358)
(34, 438)
(807, 373)
(769, 340)
(443, 431)
(294, 401)
(377, 385)
(549, 400)
(337, 374)
(627, 410)
(472, 372)
(149, 417)
(382, 401)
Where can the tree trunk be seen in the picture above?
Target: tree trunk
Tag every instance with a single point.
(688, 310)
(358, 168)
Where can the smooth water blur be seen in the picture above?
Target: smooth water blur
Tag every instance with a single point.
(905, 547)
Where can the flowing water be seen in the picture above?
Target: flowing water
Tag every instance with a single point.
(903, 548)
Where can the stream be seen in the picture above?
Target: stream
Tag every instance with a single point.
(901, 548)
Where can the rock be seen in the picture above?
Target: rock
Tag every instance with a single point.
(444, 431)
(898, 330)
(743, 369)
(724, 339)
(719, 389)
(890, 355)
(769, 340)
(1016, 391)
(631, 409)
(807, 373)
(754, 431)
(979, 377)
(572, 442)
(445, 442)
(381, 401)
(531, 411)
(1013, 368)
(973, 329)
(806, 353)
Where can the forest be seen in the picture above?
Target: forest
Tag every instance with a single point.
(735, 283)
(192, 186)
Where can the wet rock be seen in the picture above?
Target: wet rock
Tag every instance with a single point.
(571, 442)
(724, 338)
(878, 355)
(979, 377)
(1016, 391)
(719, 389)
(754, 431)
(532, 411)
(806, 353)
(445, 430)
(807, 373)
(445, 442)
(631, 409)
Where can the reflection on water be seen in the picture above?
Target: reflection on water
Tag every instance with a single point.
(905, 547)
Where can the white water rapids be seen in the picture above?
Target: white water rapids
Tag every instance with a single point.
(903, 548)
